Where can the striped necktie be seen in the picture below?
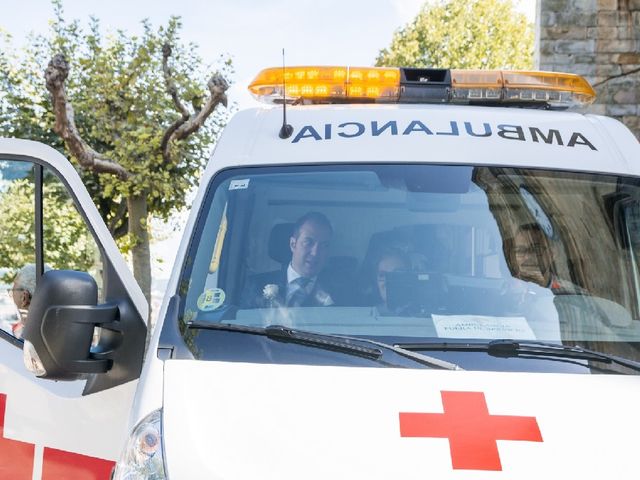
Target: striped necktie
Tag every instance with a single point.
(297, 291)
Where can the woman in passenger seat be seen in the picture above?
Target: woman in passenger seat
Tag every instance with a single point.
(390, 260)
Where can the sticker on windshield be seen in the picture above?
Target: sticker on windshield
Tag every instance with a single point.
(211, 299)
(239, 184)
(478, 326)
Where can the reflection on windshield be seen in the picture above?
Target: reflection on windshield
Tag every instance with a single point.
(421, 252)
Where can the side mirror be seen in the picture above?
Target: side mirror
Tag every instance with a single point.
(60, 326)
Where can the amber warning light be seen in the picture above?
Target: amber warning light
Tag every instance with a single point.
(317, 85)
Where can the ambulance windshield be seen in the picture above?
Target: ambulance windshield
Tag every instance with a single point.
(419, 253)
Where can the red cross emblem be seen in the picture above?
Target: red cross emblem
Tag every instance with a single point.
(471, 430)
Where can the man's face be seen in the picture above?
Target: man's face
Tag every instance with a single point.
(532, 257)
(310, 249)
(21, 296)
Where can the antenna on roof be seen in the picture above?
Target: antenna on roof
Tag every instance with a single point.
(286, 130)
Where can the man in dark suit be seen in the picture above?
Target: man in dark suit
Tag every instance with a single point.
(300, 284)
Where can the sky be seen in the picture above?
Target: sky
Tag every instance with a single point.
(252, 32)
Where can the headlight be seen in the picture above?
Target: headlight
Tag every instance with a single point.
(143, 456)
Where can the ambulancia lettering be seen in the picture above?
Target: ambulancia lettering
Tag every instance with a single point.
(376, 128)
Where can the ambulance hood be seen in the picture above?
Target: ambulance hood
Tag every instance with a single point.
(232, 421)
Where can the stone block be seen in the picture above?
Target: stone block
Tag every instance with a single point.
(607, 33)
(607, 4)
(605, 94)
(616, 46)
(607, 19)
(584, 58)
(593, 32)
(631, 70)
(575, 46)
(620, 110)
(608, 70)
(582, 5)
(564, 32)
(623, 82)
(547, 19)
(583, 69)
(550, 61)
(626, 97)
(628, 32)
(624, 17)
(553, 5)
(636, 19)
(631, 121)
(626, 58)
(577, 19)
(547, 49)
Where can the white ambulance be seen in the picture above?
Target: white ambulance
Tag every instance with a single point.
(412, 274)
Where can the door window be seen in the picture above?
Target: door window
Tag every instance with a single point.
(33, 198)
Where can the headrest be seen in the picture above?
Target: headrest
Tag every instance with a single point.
(279, 242)
(342, 264)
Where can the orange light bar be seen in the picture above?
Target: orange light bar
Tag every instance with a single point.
(552, 88)
(326, 84)
(339, 84)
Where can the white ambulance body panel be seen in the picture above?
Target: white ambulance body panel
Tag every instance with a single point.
(325, 422)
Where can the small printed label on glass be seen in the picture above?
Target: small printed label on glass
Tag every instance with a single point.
(239, 184)
(477, 326)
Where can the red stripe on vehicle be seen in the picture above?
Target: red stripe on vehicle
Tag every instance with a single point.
(61, 465)
(16, 458)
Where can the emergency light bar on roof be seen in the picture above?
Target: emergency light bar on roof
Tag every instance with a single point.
(418, 85)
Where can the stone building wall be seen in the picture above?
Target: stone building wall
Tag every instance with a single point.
(599, 39)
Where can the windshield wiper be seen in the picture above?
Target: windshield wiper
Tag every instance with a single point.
(338, 343)
(514, 348)
(277, 332)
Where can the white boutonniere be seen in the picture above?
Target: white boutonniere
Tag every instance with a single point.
(270, 291)
(323, 298)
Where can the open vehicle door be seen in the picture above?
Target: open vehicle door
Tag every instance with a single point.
(87, 298)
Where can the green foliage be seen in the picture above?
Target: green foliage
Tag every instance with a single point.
(67, 242)
(487, 34)
(17, 235)
(122, 109)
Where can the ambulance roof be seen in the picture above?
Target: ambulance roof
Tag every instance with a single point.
(449, 134)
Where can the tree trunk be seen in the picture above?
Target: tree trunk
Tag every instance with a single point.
(140, 253)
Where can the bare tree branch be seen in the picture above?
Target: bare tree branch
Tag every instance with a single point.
(65, 125)
(217, 87)
(608, 79)
(172, 90)
(171, 86)
(187, 123)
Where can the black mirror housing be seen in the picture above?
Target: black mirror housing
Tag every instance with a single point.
(61, 321)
